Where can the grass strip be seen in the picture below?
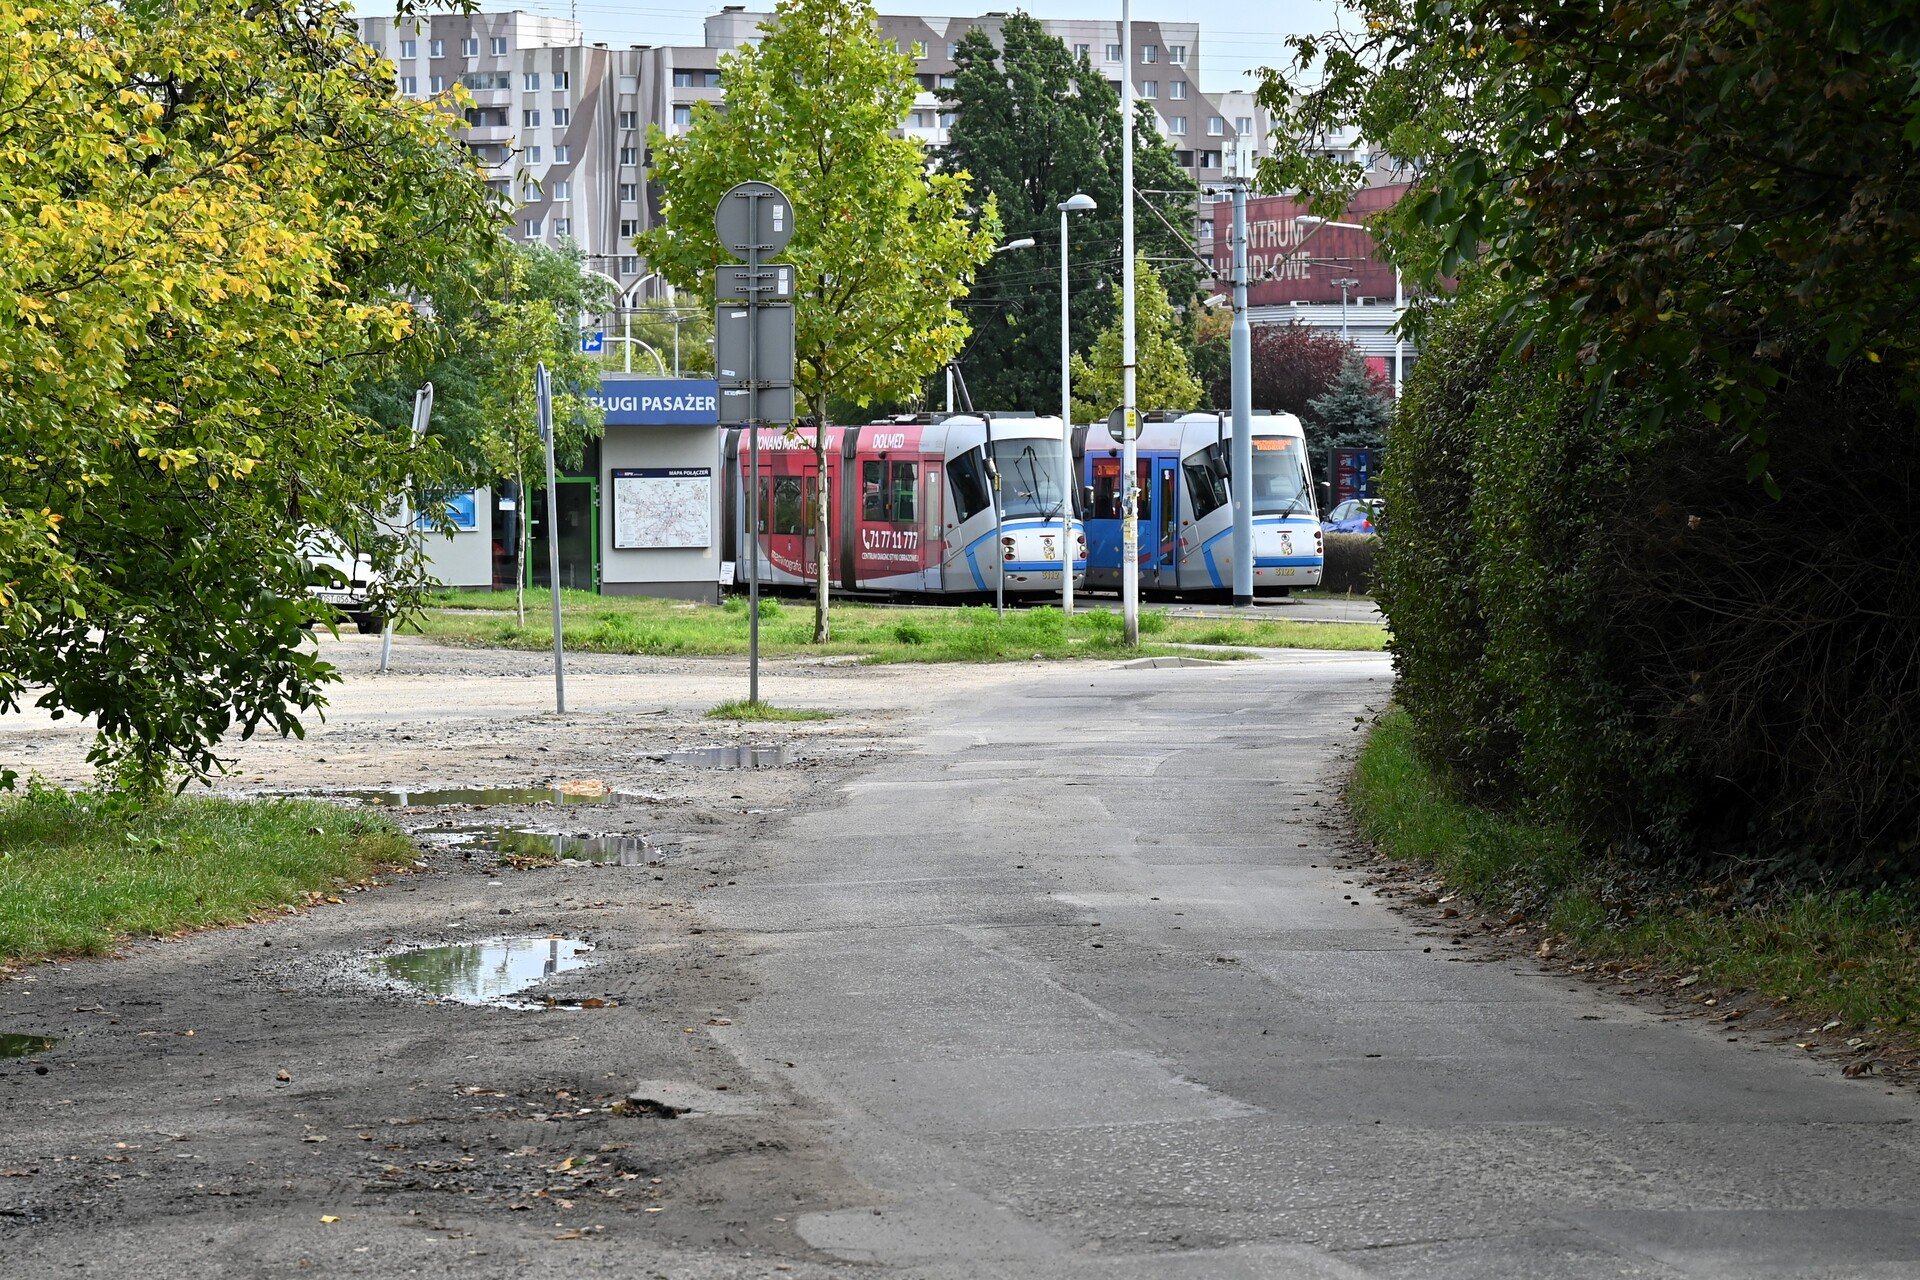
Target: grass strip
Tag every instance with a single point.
(1852, 953)
(80, 872)
(877, 633)
(763, 712)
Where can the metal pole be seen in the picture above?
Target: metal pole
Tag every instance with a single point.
(1068, 480)
(1240, 481)
(1399, 345)
(543, 390)
(753, 434)
(999, 543)
(1130, 452)
(626, 338)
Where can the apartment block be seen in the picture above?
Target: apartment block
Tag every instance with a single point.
(561, 123)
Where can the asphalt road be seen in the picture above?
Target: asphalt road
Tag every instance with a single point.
(1086, 997)
(1067, 982)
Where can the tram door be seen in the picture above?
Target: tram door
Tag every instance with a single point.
(1163, 555)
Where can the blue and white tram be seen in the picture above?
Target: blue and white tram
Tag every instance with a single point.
(1186, 518)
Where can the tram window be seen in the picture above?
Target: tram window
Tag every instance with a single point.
(972, 492)
(887, 493)
(902, 484)
(1106, 489)
(789, 511)
(1206, 486)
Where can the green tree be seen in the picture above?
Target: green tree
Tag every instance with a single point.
(534, 320)
(683, 328)
(1676, 195)
(212, 219)
(1163, 378)
(490, 324)
(882, 247)
(1033, 125)
(1352, 413)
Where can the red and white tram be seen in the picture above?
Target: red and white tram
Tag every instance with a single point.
(910, 503)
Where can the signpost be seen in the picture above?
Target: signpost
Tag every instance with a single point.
(543, 402)
(594, 342)
(753, 352)
(422, 411)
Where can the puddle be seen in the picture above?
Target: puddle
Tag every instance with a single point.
(478, 796)
(730, 757)
(601, 851)
(487, 972)
(13, 1044)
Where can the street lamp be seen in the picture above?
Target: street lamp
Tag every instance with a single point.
(1399, 296)
(1077, 203)
(1345, 283)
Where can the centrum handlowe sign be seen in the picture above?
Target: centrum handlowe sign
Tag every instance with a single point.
(658, 402)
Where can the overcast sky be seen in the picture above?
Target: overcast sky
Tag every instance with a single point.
(1235, 35)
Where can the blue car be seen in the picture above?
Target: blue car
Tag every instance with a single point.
(1355, 515)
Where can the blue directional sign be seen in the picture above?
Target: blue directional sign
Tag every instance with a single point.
(593, 342)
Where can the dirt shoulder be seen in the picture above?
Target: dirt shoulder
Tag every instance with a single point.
(256, 1100)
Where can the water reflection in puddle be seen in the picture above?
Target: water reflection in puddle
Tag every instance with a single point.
(13, 1044)
(605, 851)
(478, 796)
(748, 757)
(486, 972)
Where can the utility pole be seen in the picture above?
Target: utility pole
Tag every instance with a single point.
(1240, 365)
(1129, 411)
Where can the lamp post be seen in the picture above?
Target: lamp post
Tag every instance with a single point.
(1399, 298)
(1077, 203)
(1345, 283)
(1129, 449)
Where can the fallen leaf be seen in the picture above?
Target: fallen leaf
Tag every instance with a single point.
(717, 1022)
(329, 1218)
(1688, 981)
(282, 1075)
(1854, 1070)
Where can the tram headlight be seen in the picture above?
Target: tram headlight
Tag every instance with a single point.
(1007, 548)
(1319, 543)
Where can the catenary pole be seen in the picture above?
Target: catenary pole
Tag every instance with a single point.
(1077, 203)
(1129, 416)
(1240, 481)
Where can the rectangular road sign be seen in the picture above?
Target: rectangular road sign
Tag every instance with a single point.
(776, 405)
(770, 347)
(770, 351)
(769, 282)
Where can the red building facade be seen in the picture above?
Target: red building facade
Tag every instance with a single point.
(1290, 262)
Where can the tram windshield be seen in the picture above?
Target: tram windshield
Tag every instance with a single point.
(1031, 483)
(1280, 485)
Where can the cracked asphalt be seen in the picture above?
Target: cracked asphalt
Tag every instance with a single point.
(1048, 970)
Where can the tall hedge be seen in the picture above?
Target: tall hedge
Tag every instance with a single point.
(1610, 626)
(1425, 574)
